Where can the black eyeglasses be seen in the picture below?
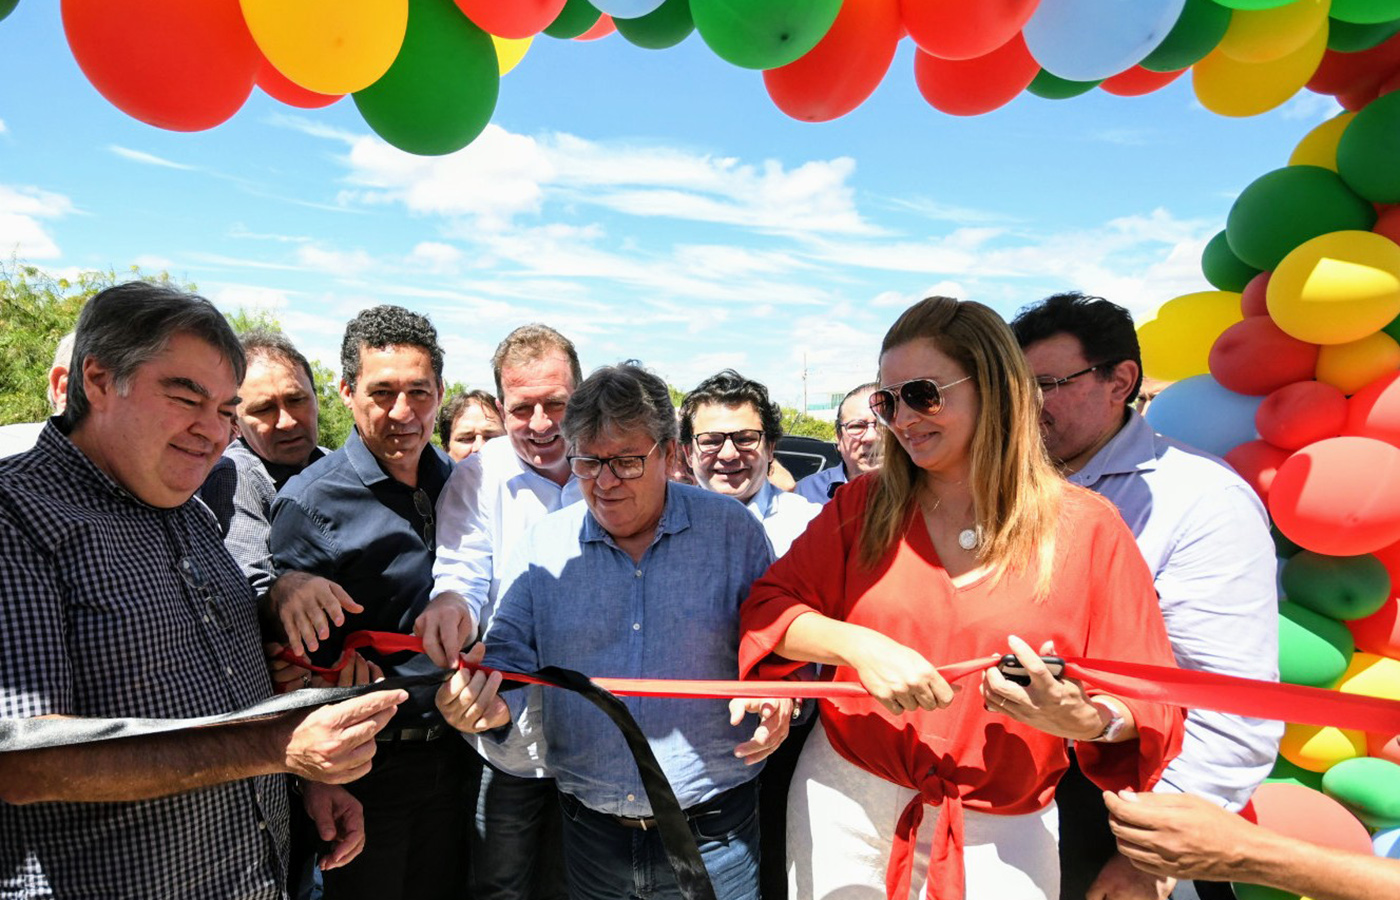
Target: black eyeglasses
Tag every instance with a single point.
(713, 441)
(424, 506)
(858, 428)
(1048, 385)
(624, 467)
(923, 395)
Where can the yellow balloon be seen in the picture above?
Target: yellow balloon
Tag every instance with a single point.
(1350, 367)
(1176, 344)
(1319, 146)
(1264, 35)
(1372, 676)
(1229, 87)
(329, 46)
(1337, 287)
(510, 51)
(1318, 749)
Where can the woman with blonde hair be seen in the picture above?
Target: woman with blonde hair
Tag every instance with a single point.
(965, 538)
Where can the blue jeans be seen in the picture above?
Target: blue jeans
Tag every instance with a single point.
(607, 861)
(516, 851)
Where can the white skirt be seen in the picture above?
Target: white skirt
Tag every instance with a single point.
(841, 825)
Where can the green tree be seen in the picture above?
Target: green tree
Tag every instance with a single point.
(799, 423)
(334, 421)
(36, 310)
(245, 320)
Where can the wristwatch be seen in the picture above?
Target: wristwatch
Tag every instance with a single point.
(1115, 724)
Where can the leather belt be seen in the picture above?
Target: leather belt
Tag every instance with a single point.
(428, 733)
(708, 808)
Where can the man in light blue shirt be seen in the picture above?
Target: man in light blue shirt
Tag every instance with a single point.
(858, 439)
(1204, 534)
(644, 579)
(729, 428)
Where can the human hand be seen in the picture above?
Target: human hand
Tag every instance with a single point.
(339, 820)
(356, 672)
(775, 718)
(307, 606)
(468, 700)
(446, 626)
(1056, 706)
(1178, 834)
(899, 677)
(335, 743)
(1121, 880)
(286, 676)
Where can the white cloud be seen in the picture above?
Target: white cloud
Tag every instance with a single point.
(239, 230)
(21, 232)
(3, 129)
(148, 159)
(252, 298)
(153, 263)
(435, 258)
(336, 262)
(1308, 106)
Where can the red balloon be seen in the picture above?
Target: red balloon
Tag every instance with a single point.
(1374, 411)
(1340, 496)
(1340, 73)
(600, 29)
(958, 29)
(280, 87)
(1301, 413)
(1308, 815)
(1379, 632)
(1255, 357)
(1253, 299)
(1257, 462)
(971, 87)
(844, 68)
(1359, 99)
(1388, 224)
(513, 19)
(175, 64)
(1138, 81)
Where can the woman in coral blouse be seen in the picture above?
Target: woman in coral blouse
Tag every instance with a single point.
(965, 538)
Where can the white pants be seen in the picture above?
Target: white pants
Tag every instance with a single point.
(841, 824)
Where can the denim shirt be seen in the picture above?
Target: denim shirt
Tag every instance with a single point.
(571, 597)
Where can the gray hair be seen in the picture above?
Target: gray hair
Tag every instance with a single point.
(128, 325)
(275, 345)
(855, 391)
(619, 398)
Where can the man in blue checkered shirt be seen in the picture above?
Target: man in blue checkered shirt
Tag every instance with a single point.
(117, 598)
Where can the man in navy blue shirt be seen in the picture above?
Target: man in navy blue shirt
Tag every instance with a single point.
(353, 545)
(644, 578)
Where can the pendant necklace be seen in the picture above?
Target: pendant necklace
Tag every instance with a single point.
(968, 538)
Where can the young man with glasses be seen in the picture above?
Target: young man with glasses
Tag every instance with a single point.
(1205, 536)
(857, 437)
(353, 545)
(729, 428)
(644, 578)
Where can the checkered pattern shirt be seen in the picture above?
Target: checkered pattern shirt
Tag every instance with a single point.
(110, 607)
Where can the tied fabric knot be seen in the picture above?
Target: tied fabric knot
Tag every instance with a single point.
(947, 879)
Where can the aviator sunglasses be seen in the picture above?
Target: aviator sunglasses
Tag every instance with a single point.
(923, 395)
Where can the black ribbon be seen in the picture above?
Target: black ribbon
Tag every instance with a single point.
(676, 837)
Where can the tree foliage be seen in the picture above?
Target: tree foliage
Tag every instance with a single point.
(36, 310)
(799, 423)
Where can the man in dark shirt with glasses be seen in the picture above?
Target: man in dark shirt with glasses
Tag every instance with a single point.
(353, 544)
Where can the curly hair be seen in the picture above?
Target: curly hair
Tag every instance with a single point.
(387, 326)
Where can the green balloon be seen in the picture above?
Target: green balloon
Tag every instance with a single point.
(1053, 87)
(7, 7)
(1344, 37)
(1313, 650)
(1223, 268)
(441, 90)
(1259, 892)
(1283, 547)
(1369, 787)
(1197, 32)
(1369, 148)
(763, 34)
(1283, 208)
(1365, 12)
(1393, 329)
(1338, 587)
(666, 26)
(574, 19)
(1254, 4)
(1288, 773)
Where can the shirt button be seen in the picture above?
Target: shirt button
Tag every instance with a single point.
(638, 573)
(228, 670)
(262, 826)
(206, 619)
(631, 797)
(636, 626)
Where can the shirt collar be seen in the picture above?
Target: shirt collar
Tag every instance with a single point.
(367, 466)
(280, 473)
(763, 500)
(675, 517)
(1132, 449)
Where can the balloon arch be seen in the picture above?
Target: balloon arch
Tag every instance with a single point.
(1290, 368)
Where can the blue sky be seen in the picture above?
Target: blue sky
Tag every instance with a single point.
(649, 204)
